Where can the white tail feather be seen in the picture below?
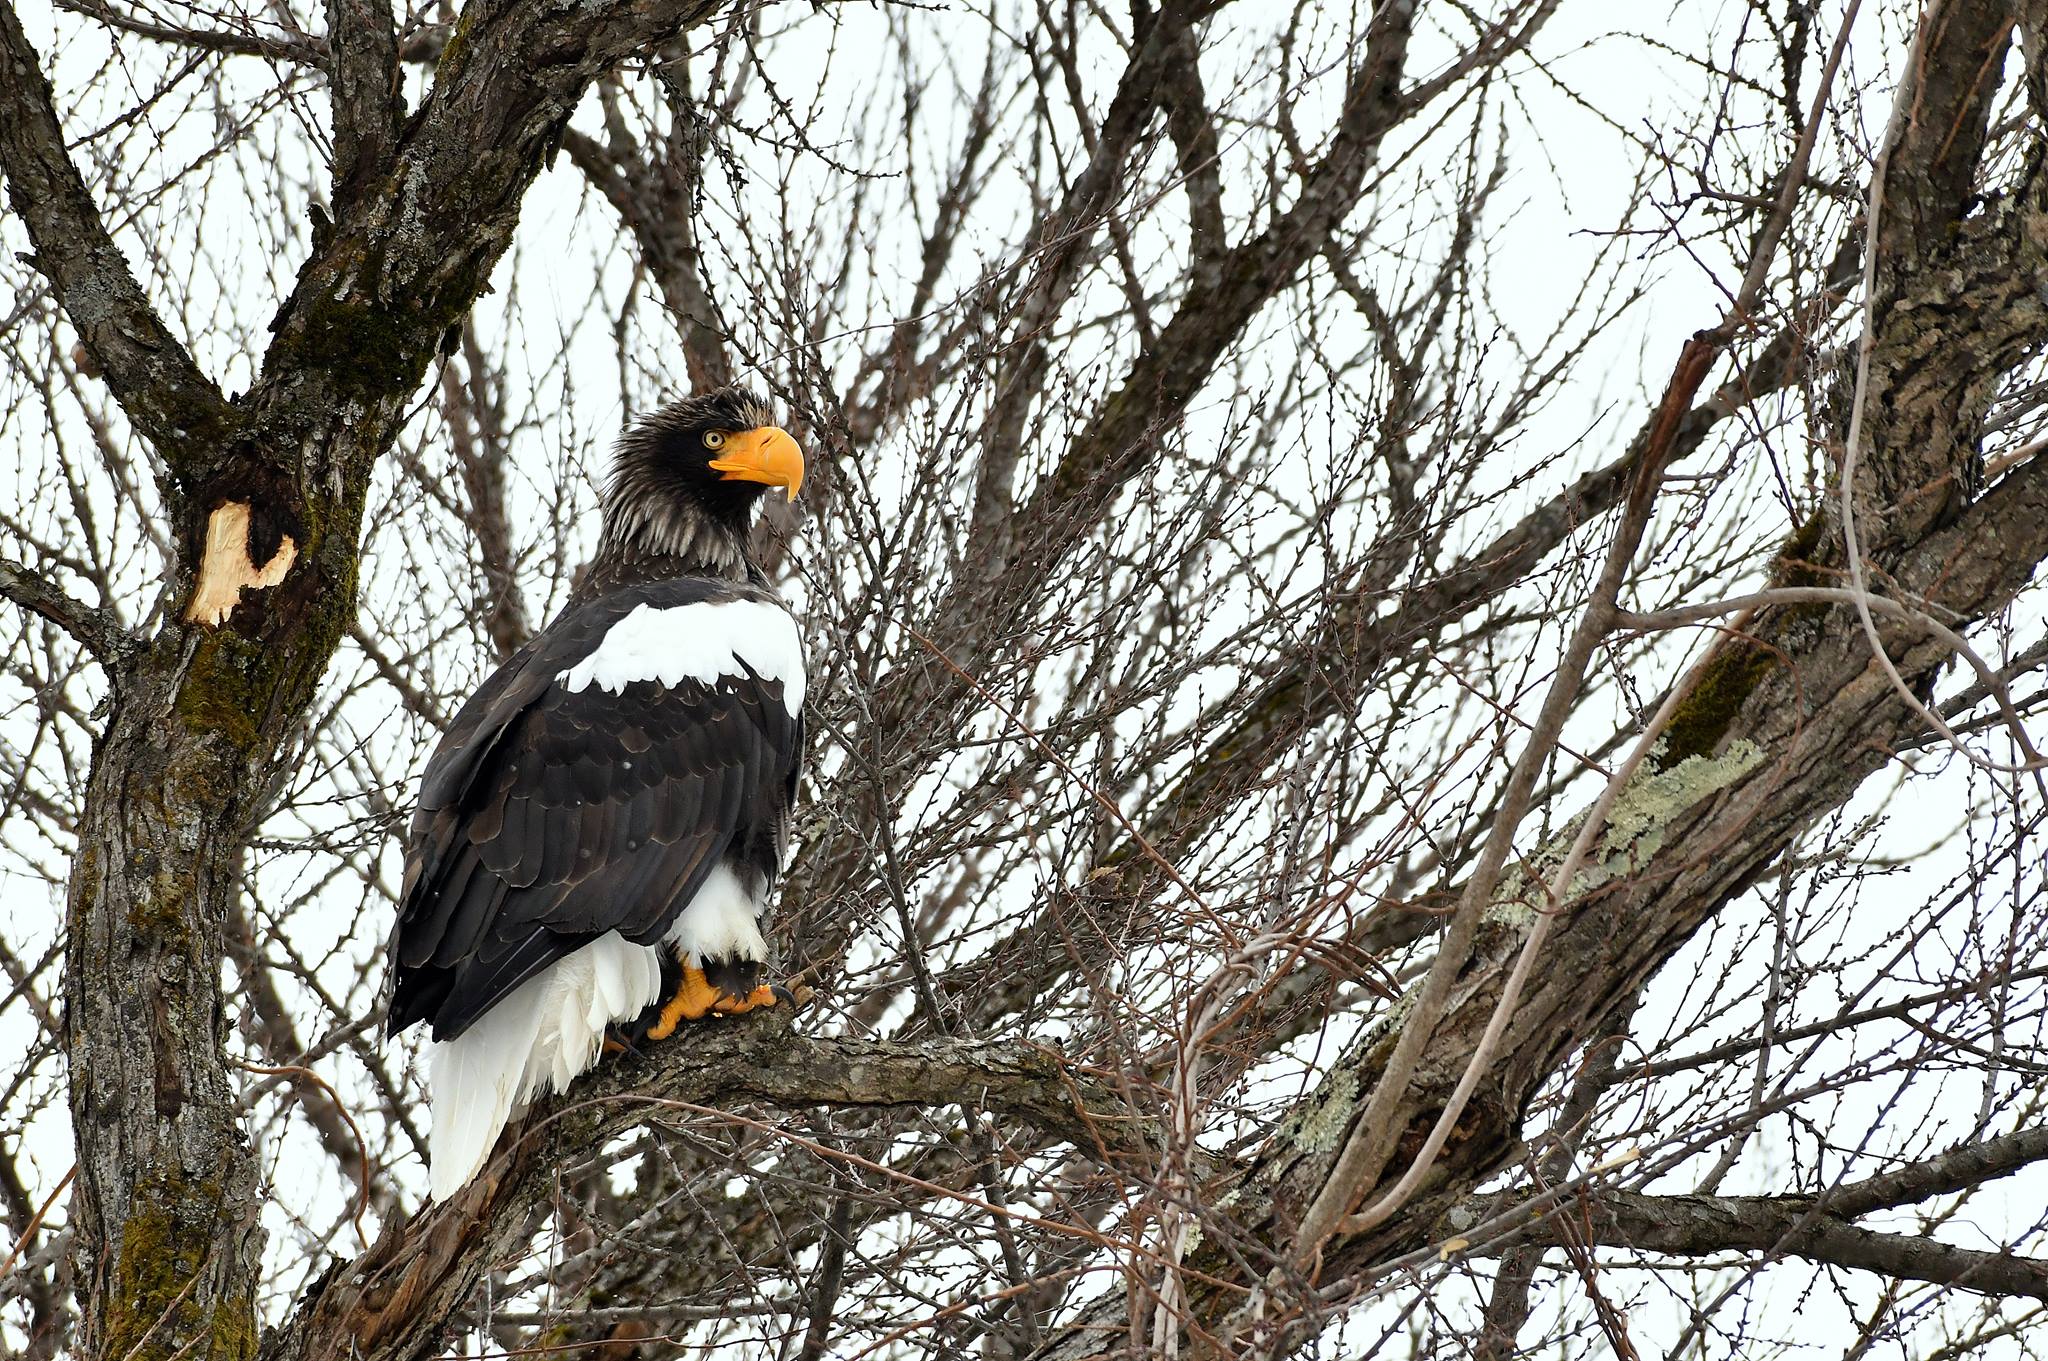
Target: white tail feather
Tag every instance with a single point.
(539, 1038)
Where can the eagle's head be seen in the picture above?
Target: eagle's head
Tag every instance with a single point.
(686, 478)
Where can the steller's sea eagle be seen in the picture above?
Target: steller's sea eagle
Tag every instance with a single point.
(598, 832)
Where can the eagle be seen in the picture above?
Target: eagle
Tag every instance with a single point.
(599, 831)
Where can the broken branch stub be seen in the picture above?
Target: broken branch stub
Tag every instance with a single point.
(228, 567)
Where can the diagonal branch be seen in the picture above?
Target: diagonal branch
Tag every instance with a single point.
(1221, 301)
(292, 47)
(1064, 241)
(100, 632)
(395, 1300)
(163, 391)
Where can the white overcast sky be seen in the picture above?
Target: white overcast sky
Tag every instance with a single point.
(1566, 185)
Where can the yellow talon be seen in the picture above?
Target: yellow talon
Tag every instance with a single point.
(763, 996)
(696, 999)
(693, 1000)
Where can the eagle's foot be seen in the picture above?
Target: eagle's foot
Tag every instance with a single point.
(697, 997)
(694, 999)
(763, 996)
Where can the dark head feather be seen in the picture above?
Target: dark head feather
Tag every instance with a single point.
(666, 511)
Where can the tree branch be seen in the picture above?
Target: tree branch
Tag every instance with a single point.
(655, 197)
(163, 391)
(98, 630)
(1816, 1227)
(395, 1300)
(298, 48)
(362, 80)
(1791, 1226)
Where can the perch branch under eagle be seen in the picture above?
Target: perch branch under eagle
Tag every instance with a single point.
(600, 828)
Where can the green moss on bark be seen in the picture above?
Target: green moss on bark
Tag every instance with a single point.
(225, 691)
(374, 351)
(370, 350)
(1800, 550)
(1739, 665)
(1731, 676)
(157, 1308)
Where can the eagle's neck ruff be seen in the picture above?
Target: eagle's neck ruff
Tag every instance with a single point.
(662, 526)
(654, 536)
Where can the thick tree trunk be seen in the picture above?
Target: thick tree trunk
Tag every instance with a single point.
(167, 1204)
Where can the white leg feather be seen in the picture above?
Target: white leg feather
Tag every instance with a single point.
(722, 922)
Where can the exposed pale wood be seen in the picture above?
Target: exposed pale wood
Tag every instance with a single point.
(225, 570)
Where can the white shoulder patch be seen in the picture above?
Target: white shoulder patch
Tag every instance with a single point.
(699, 642)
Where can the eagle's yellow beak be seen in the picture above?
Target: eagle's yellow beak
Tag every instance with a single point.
(767, 454)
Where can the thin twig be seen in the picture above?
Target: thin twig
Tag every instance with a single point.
(35, 1221)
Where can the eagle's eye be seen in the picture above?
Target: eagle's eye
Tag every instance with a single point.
(714, 438)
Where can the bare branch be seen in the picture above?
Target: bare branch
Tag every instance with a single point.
(163, 391)
(99, 630)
